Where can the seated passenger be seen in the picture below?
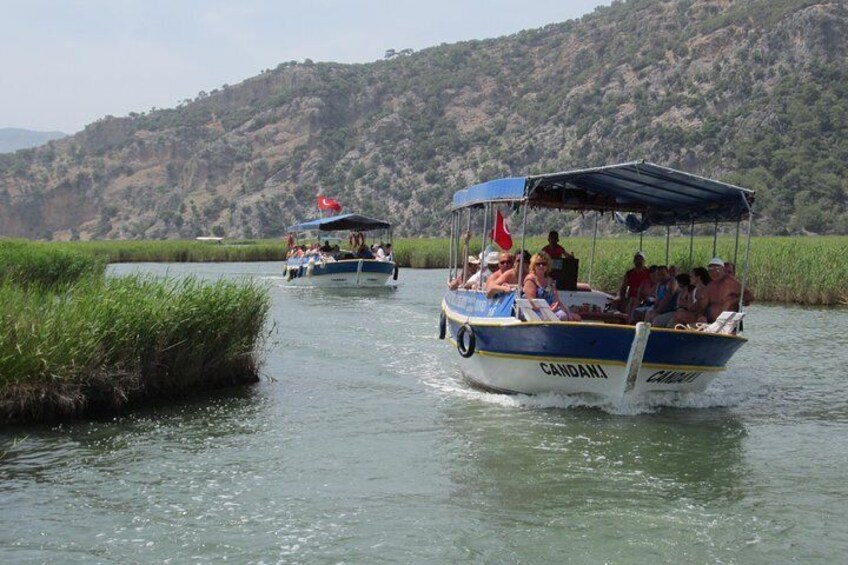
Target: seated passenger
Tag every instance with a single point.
(538, 284)
(364, 252)
(388, 251)
(730, 269)
(678, 299)
(326, 248)
(647, 295)
(723, 292)
(508, 281)
(504, 274)
(691, 306)
(470, 268)
(480, 277)
(628, 294)
(665, 294)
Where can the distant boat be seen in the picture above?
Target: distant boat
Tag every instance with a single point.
(508, 343)
(332, 261)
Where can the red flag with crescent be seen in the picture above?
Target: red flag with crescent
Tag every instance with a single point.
(325, 203)
(501, 234)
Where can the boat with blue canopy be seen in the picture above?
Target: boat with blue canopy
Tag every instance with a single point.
(512, 343)
(363, 259)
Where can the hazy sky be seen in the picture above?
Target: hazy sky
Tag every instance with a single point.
(67, 63)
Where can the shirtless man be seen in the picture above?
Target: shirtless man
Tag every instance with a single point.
(505, 275)
(722, 292)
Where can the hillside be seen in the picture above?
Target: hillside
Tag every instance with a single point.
(12, 139)
(754, 93)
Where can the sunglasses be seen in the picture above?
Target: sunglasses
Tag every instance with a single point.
(506, 262)
(541, 264)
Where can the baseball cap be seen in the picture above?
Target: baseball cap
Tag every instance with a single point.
(716, 261)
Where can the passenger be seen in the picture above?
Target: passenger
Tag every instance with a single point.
(723, 291)
(647, 295)
(556, 253)
(364, 252)
(379, 253)
(471, 266)
(326, 248)
(690, 308)
(678, 299)
(628, 294)
(505, 274)
(508, 281)
(538, 284)
(389, 255)
(665, 294)
(480, 277)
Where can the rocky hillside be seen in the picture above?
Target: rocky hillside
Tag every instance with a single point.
(753, 92)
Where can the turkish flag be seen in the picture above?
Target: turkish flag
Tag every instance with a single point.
(325, 203)
(500, 233)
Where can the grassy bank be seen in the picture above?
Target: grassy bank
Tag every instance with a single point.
(75, 343)
(803, 270)
(105, 344)
(44, 265)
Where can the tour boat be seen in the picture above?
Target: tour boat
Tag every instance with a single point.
(338, 265)
(509, 344)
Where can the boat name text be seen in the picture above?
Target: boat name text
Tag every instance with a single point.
(574, 370)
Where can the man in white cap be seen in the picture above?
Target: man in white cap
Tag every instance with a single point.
(470, 269)
(723, 292)
(628, 294)
(479, 279)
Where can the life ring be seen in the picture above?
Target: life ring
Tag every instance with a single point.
(466, 350)
(395, 274)
(290, 241)
(443, 325)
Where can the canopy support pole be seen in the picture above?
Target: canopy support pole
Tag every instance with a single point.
(715, 237)
(594, 241)
(747, 256)
(691, 242)
(736, 249)
(451, 250)
(518, 287)
(667, 240)
(487, 208)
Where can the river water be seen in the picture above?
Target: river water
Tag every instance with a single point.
(362, 444)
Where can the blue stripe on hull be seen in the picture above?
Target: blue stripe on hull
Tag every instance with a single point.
(601, 343)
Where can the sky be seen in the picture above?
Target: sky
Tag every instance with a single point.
(68, 63)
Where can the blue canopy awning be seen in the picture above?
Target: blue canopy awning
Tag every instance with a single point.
(353, 222)
(660, 195)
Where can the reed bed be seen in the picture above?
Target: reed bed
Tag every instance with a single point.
(107, 343)
(45, 266)
(181, 251)
(802, 270)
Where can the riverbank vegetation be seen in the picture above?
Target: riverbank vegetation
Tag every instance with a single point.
(802, 270)
(97, 345)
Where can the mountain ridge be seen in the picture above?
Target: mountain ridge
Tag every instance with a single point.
(754, 93)
(13, 139)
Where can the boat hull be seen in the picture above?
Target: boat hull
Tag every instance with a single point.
(339, 274)
(514, 356)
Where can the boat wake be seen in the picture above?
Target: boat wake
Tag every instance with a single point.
(726, 391)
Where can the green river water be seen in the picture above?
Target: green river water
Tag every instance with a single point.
(362, 444)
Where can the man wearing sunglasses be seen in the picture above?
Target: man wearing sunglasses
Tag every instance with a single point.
(501, 276)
